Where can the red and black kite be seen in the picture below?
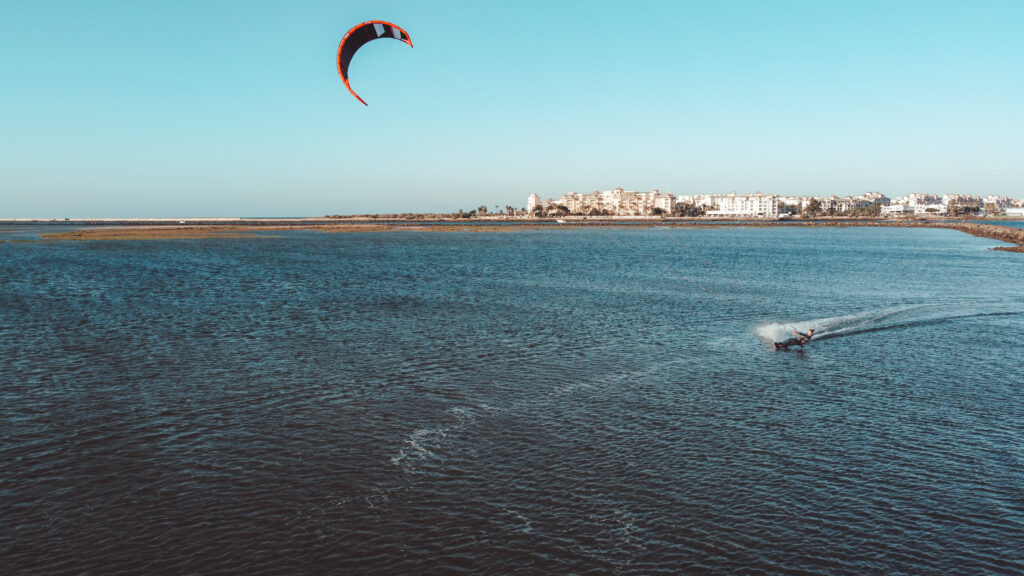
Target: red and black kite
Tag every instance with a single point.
(360, 35)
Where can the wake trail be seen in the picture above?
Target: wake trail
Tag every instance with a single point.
(881, 320)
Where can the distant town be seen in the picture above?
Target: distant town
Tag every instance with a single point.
(626, 203)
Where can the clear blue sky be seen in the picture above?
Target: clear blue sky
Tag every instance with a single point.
(215, 108)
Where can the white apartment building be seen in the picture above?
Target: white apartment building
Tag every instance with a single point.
(836, 203)
(752, 206)
(800, 201)
(925, 209)
(961, 200)
(896, 210)
(532, 201)
(699, 200)
(926, 204)
(998, 201)
(921, 199)
(618, 202)
(662, 200)
(872, 198)
(581, 203)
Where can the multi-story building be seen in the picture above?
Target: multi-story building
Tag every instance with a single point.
(1000, 202)
(581, 203)
(925, 209)
(752, 206)
(921, 199)
(896, 210)
(532, 201)
(661, 200)
(961, 200)
(799, 201)
(698, 200)
(618, 202)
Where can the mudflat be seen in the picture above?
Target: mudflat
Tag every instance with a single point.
(201, 231)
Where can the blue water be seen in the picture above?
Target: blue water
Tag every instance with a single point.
(30, 232)
(1010, 223)
(602, 401)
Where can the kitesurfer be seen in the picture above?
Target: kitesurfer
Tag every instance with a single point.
(799, 339)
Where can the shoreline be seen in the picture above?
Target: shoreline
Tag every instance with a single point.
(194, 229)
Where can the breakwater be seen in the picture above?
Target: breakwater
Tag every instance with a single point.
(1001, 233)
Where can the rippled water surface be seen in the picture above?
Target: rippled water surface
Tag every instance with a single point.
(532, 402)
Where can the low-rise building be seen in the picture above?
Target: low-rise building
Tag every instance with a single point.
(926, 209)
(896, 210)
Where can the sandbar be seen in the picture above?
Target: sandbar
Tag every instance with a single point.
(1006, 234)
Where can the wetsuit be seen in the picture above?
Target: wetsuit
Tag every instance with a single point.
(800, 340)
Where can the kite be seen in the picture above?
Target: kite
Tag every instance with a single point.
(360, 35)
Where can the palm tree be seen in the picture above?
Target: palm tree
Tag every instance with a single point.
(813, 207)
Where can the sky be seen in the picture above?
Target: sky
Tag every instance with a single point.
(218, 108)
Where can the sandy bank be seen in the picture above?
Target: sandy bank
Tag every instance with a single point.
(195, 232)
(131, 232)
(149, 233)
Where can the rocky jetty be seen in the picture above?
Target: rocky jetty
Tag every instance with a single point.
(995, 232)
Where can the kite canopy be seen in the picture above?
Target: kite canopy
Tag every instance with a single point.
(360, 35)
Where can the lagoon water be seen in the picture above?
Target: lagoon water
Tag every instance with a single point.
(600, 401)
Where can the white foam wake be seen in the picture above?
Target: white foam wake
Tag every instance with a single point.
(880, 319)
